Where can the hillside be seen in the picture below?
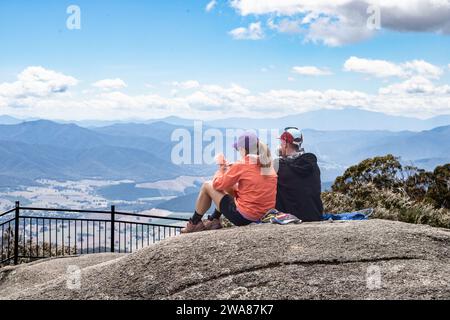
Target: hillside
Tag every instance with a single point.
(336, 149)
(307, 261)
(28, 161)
(45, 149)
(9, 120)
(142, 152)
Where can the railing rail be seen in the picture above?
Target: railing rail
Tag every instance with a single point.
(26, 236)
(7, 212)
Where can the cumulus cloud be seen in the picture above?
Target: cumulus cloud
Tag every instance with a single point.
(37, 82)
(423, 68)
(377, 68)
(210, 6)
(110, 84)
(415, 85)
(385, 69)
(340, 22)
(414, 96)
(253, 32)
(311, 71)
(286, 25)
(335, 33)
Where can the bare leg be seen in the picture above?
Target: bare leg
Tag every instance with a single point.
(206, 196)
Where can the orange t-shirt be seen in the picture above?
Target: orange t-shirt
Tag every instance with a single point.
(255, 187)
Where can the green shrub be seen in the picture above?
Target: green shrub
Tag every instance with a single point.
(395, 192)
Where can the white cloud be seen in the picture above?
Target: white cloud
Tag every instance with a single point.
(234, 89)
(340, 22)
(415, 85)
(385, 69)
(311, 71)
(210, 6)
(422, 68)
(414, 96)
(110, 84)
(286, 25)
(377, 68)
(335, 33)
(37, 82)
(252, 32)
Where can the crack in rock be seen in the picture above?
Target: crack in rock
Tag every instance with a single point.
(285, 263)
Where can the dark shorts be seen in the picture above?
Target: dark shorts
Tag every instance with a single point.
(229, 210)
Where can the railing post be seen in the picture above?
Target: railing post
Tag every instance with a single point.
(16, 233)
(113, 229)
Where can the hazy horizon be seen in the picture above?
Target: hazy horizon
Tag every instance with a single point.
(254, 117)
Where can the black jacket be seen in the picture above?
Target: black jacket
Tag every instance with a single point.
(299, 187)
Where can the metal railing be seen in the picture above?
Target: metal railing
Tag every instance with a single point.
(29, 233)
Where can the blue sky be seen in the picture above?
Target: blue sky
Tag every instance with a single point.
(177, 58)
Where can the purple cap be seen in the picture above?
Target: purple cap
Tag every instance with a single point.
(247, 140)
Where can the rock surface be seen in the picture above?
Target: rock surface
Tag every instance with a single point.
(373, 259)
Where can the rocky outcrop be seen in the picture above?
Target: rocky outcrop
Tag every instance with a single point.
(373, 259)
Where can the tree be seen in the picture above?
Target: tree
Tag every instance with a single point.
(382, 172)
(395, 192)
(418, 183)
(387, 173)
(439, 191)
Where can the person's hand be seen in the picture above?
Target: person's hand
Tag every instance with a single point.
(221, 161)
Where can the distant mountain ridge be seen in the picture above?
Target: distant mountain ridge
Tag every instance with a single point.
(324, 119)
(45, 149)
(333, 120)
(9, 120)
(142, 152)
(341, 148)
(329, 120)
(27, 161)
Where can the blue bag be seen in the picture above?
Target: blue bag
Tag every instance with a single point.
(357, 215)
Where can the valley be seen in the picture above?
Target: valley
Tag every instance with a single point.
(50, 164)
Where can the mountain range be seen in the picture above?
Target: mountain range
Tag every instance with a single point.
(45, 149)
(9, 120)
(345, 119)
(324, 120)
(340, 148)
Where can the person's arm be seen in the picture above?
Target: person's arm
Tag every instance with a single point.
(226, 178)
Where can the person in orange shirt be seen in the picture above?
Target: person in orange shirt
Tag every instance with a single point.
(243, 192)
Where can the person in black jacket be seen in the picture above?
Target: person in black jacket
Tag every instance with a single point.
(299, 185)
